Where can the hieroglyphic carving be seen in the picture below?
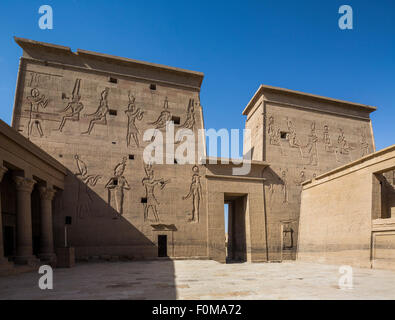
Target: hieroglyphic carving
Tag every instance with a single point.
(327, 140)
(84, 198)
(99, 116)
(273, 132)
(343, 148)
(36, 101)
(195, 190)
(116, 186)
(311, 147)
(364, 144)
(133, 114)
(74, 107)
(163, 118)
(149, 182)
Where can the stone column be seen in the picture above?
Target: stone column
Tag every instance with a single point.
(46, 244)
(3, 261)
(24, 241)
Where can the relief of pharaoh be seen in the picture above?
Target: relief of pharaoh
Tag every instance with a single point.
(99, 116)
(190, 120)
(74, 107)
(189, 123)
(36, 101)
(162, 120)
(149, 182)
(133, 113)
(116, 186)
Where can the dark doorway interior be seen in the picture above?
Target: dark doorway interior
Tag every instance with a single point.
(236, 228)
(8, 235)
(162, 245)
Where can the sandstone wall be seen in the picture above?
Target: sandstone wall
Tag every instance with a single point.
(336, 224)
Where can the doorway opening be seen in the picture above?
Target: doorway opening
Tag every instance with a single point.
(235, 206)
(384, 195)
(162, 245)
(9, 240)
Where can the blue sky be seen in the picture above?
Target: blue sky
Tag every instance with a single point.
(237, 44)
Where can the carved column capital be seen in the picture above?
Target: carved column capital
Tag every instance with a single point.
(3, 170)
(24, 184)
(46, 193)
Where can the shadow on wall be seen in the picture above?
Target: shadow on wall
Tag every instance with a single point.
(98, 230)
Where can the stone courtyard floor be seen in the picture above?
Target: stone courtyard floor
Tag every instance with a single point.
(186, 279)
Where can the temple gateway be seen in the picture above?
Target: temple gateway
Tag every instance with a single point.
(317, 189)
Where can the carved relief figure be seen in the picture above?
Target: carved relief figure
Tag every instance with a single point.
(89, 179)
(195, 190)
(364, 144)
(291, 135)
(327, 140)
(284, 185)
(149, 182)
(133, 114)
(116, 186)
(344, 148)
(269, 183)
(99, 116)
(34, 79)
(74, 107)
(36, 101)
(273, 133)
(301, 179)
(84, 198)
(311, 146)
(163, 118)
(190, 120)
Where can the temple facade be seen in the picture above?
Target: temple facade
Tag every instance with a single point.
(91, 118)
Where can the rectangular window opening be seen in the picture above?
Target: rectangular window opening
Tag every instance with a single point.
(175, 119)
